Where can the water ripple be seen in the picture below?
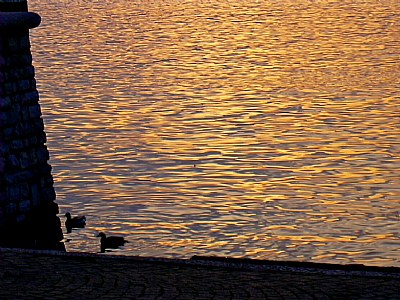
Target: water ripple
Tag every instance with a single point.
(249, 129)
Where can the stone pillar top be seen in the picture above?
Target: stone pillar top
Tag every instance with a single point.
(14, 15)
(19, 20)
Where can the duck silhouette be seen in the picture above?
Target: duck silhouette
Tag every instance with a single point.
(75, 222)
(111, 242)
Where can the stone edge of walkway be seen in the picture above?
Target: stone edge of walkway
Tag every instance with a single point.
(358, 270)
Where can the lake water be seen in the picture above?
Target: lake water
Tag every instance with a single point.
(259, 129)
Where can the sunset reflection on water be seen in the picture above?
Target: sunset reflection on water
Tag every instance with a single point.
(257, 129)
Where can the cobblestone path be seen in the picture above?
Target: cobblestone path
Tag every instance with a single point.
(43, 275)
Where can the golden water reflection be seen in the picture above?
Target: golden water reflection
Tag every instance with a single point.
(261, 129)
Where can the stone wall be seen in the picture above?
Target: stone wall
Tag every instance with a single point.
(27, 208)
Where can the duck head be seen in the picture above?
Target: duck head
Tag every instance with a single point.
(101, 234)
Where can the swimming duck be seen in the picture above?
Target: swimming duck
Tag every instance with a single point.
(75, 222)
(111, 242)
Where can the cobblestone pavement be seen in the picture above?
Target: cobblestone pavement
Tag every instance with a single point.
(28, 274)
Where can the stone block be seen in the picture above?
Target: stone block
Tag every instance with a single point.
(13, 43)
(33, 84)
(16, 107)
(48, 194)
(4, 61)
(2, 216)
(15, 87)
(4, 149)
(32, 154)
(44, 169)
(43, 154)
(25, 160)
(35, 195)
(8, 134)
(29, 98)
(24, 206)
(22, 129)
(11, 74)
(16, 99)
(20, 218)
(3, 197)
(17, 145)
(41, 138)
(24, 113)
(14, 116)
(34, 111)
(7, 88)
(38, 125)
(19, 176)
(13, 161)
(30, 142)
(24, 85)
(14, 74)
(10, 209)
(25, 190)
(2, 164)
(25, 59)
(5, 103)
(24, 42)
(26, 128)
(27, 72)
(4, 118)
(14, 192)
(46, 180)
(24, 72)
(50, 209)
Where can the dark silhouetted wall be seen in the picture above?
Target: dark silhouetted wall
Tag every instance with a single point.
(27, 209)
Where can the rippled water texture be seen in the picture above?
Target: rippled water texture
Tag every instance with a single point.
(262, 129)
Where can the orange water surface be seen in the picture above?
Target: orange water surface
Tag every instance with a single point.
(260, 129)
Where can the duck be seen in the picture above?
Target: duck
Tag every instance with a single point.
(111, 242)
(75, 222)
